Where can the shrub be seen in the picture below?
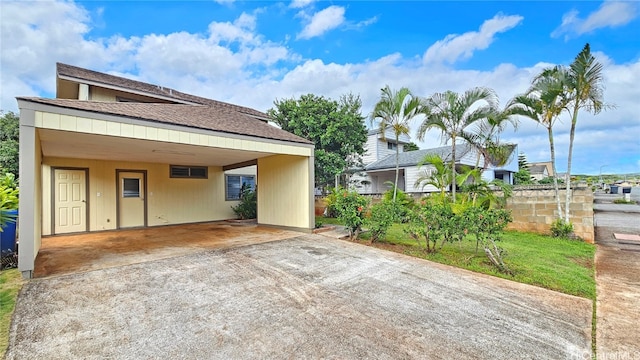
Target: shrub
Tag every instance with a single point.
(248, 206)
(561, 229)
(487, 225)
(404, 203)
(434, 224)
(383, 215)
(351, 208)
(330, 202)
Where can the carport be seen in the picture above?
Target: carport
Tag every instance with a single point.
(88, 166)
(64, 254)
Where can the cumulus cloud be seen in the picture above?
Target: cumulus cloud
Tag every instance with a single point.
(323, 21)
(455, 47)
(231, 61)
(609, 14)
(296, 4)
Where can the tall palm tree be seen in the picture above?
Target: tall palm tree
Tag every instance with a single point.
(452, 113)
(484, 138)
(543, 103)
(394, 111)
(585, 90)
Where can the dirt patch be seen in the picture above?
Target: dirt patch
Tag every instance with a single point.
(584, 262)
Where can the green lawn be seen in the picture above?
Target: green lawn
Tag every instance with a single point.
(562, 265)
(10, 284)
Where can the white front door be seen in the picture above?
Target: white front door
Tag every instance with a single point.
(70, 201)
(131, 201)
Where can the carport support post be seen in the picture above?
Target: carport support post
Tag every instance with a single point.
(312, 191)
(26, 215)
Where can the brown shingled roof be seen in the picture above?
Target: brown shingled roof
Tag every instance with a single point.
(209, 117)
(120, 82)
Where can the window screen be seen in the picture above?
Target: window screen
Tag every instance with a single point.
(234, 185)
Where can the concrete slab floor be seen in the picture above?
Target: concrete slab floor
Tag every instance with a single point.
(99, 250)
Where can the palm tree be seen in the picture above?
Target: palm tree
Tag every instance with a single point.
(440, 178)
(452, 113)
(394, 111)
(585, 90)
(485, 139)
(543, 103)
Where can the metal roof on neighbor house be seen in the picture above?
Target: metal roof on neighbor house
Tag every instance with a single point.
(208, 117)
(412, 158)
(77, 73)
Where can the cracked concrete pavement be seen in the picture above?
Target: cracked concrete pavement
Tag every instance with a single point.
(305, 297)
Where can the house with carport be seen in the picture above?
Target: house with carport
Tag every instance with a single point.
(112, 153)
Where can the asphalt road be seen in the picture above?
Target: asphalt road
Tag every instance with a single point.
(303, 298)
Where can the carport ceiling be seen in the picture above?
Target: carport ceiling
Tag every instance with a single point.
(57, 143)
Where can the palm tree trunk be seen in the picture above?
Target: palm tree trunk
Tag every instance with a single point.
(453, 169)
(572, 134)
(552, 149)
(395, 188)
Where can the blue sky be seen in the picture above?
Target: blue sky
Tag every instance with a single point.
(253, 52)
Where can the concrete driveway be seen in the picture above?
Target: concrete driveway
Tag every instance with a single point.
(305, 297)
(617, 279)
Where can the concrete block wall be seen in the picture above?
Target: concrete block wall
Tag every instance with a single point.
(534, 209)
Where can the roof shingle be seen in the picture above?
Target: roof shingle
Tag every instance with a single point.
(208, 117)
(120, 82)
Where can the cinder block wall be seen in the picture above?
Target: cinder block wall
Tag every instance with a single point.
(534, 209)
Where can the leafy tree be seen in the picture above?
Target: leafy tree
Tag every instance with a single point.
(9, 143)
(336, 127)
(543, 103)
(410, 147)
(394, 111)
(523, 176)
(584, 82)
(453, 113)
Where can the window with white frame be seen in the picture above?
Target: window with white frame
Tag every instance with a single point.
(234, 185)
(392, 146)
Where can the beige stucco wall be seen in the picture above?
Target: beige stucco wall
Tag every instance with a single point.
(534, 209)
(285, 191)
(169, 200)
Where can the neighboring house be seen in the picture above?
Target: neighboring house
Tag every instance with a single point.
(380, 164)
(111, 153)
(540, 170)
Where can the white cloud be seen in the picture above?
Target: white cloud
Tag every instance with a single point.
(454, 47)
(609, 14)
(323, 21)
(296, 4)
(230, 61)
